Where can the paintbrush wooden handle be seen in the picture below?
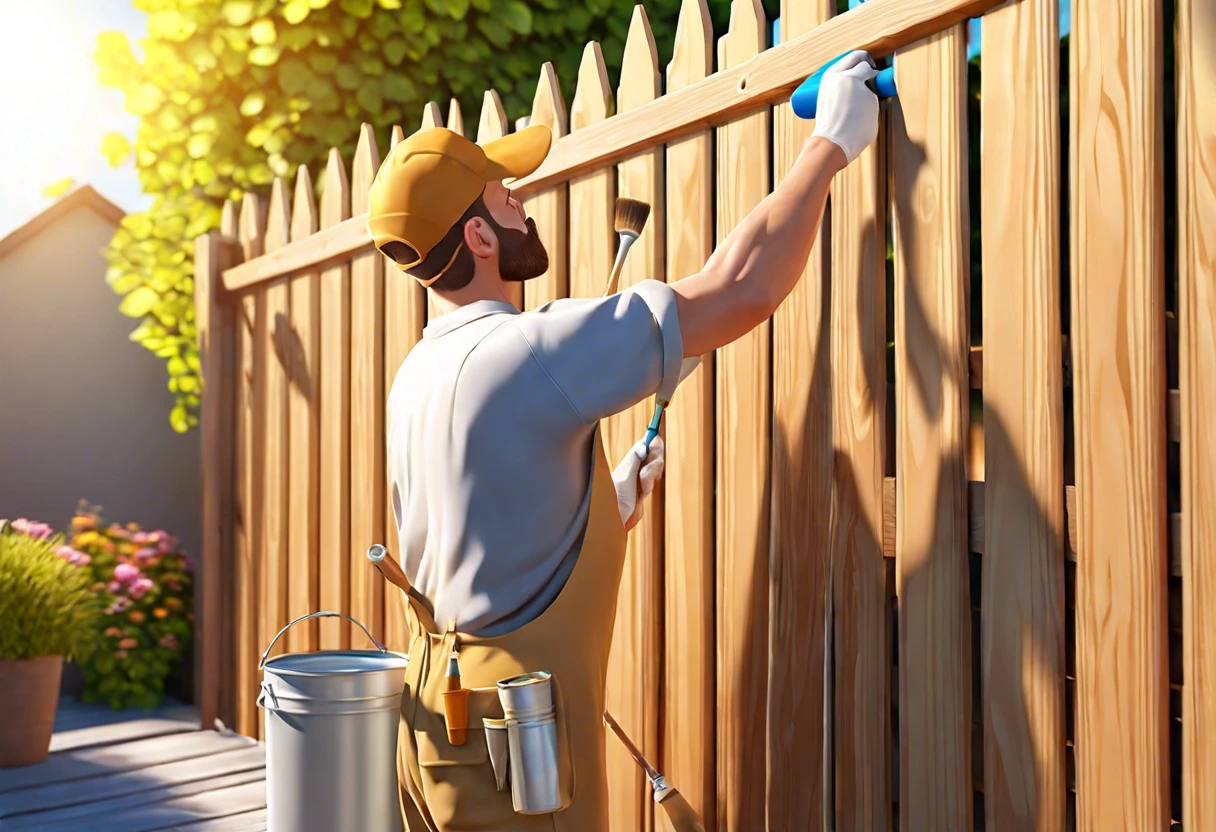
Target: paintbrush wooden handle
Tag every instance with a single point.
(615, 276)
(389, 568)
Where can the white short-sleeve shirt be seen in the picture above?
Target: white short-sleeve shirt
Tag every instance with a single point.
(490, 422)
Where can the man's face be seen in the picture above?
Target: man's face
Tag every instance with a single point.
(521, 254)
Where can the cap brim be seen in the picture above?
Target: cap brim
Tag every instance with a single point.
(516, 155)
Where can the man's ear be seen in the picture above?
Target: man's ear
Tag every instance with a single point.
(480, 238)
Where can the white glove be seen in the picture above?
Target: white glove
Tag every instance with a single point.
(638, 467)
(847, 111)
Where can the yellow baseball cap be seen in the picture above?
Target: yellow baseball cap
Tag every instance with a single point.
(428, 181)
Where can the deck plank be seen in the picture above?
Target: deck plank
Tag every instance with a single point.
(136, 729)
(127, 756)
(246, 822)
(220, 803)
(52, 795)
(69, 817)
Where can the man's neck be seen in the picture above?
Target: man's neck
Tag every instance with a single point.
(484, 286)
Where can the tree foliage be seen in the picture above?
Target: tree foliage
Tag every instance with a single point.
(232, 93)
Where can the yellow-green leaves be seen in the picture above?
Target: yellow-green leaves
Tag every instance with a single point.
(263, 32)
(59, 188)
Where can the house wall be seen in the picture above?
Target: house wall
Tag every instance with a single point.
(83, 410)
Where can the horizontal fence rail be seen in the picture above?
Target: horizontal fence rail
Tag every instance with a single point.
(898, 571)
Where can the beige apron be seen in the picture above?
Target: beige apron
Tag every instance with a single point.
(447, 788)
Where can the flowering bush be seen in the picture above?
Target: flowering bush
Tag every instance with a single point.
(147, 587)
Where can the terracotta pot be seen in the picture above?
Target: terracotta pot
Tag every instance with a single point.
(29, 696)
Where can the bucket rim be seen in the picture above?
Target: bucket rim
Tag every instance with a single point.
(289, 671)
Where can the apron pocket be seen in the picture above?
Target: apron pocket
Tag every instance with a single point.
(432, 734)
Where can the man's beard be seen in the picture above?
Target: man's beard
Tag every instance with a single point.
(521, 255)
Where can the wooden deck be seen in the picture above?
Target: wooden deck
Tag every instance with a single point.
(135, 772)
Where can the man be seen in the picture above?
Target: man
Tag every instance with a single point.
(511, 526)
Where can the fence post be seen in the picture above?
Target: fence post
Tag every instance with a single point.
(215, 323)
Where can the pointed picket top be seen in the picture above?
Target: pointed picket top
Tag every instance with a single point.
(303, 207)
(251, 225)
(801, 16)
(639, 66)
(692, 59)
(335, 202)
(398, 135)
(548, 106)
(278, 218)
(493, 124)
(746, 36)
(592, 95)
(431, 116)
(455, 117)
(363, 171)
(229, 219)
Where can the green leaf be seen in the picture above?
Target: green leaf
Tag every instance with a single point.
(144, 99)
(495, 32)
(126, 283)
(296, 11)
(264, 55)
(263, 32)
(348, 77)
(253, 103)
(238, 12)
(200, 145)
(398, 87)
(59, 188)
(394, 51)
(368, 97)
(515, 16)
(139, 302)
(178, 420)
(116, 148)
(356, 8)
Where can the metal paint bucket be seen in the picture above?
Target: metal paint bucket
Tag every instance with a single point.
(331, 737)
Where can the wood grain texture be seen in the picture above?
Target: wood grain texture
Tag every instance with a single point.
(634, 661)
(304, 440)
(250, 462)
(799, 773)
(216, 325)
(928, 155)
(1118, 369)
(493, 125)
(592, 241)
(744, 413)
(1196, 75)
(1022, 615)
(862, 715)
(275, 414)
(688, 737)
(431, 117)
(230, 229)
(549, 208)
(335, 420)
(404, 318)
(367, 478)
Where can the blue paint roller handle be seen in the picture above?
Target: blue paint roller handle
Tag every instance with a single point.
(805, 99)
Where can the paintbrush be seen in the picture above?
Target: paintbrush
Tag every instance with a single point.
(388, 566)
(630, 219)
(682, 816)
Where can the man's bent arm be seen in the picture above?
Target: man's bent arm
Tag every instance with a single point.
(758, 264)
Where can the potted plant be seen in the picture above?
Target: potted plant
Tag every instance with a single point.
(48, 612)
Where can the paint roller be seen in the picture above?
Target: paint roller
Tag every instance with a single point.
(805, 99)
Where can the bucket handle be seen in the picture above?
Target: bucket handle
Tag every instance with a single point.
(324, 614)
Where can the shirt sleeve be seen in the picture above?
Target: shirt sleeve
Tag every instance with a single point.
(607, 354)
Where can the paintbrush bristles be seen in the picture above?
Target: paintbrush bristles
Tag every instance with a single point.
(631, 215)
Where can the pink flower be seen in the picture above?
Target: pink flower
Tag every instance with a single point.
(113, 586)
(140, 586)
(120, 654)
(144, 553)
(118, 606)
(168, 641)
(126, 572)
(141, 538)
(32, 528)
(72, 556)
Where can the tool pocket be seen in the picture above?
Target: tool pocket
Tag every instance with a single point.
(431, 732)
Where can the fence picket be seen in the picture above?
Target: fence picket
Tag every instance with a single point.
(230, 219)
(931, 391)
(276, 473)
(1117, 340)
(1197, 320)
(431, 117)
(688, 740)
(455, 117)
(250, 463)
(862, 708)
(801, 488)
(304, 439)
(744, 403)
(234, 531)
(548, 208)
(634, 666)
(335, 419)
(1023, 572)
(493, 125)
(367, 478)
(404, 317)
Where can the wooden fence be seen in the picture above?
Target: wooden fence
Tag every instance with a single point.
(826, 618)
